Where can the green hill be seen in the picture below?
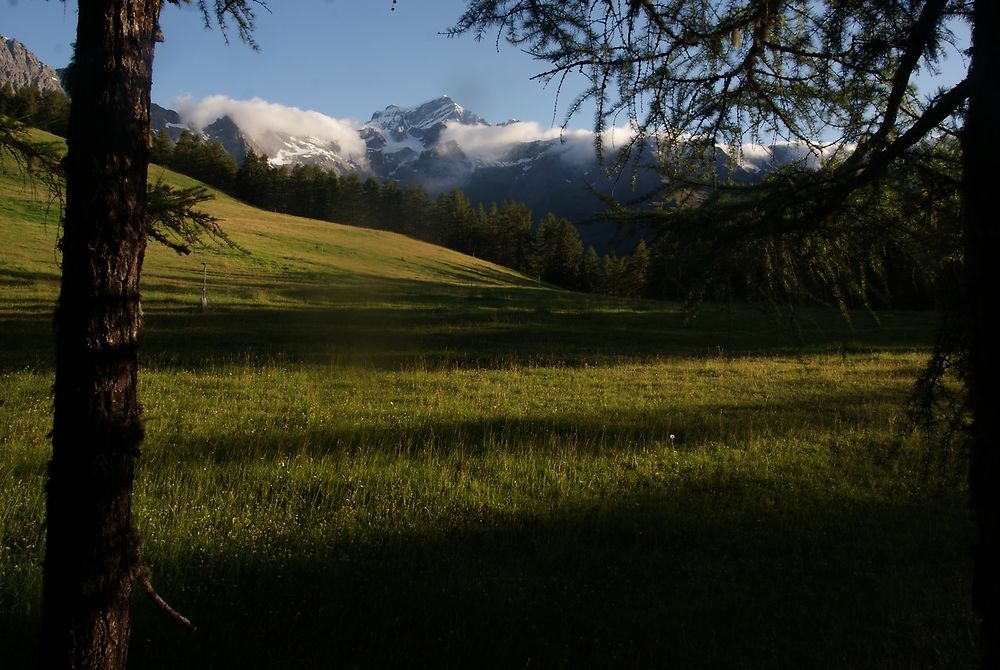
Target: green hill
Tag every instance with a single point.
(281, 248)
(285, 265)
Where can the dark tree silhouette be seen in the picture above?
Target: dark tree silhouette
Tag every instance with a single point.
(92, 554)
(559, 251)
(699, 79)
(206, 161)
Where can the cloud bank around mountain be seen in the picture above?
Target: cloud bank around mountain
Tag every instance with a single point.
(259, 119)
(492, 143)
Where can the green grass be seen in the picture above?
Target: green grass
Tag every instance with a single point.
(372, 452)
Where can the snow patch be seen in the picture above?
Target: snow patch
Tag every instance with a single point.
(260, 120)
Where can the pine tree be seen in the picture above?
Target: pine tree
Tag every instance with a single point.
(205, 161)
(92, 553)
(560, 251)
(511, 232)
(161, 150)
(390, 215)
(254, 181)
(418, 214)
(349, 204)
(53, 112)
(591, 272)
(454, 219)
(7, 100)
(612, 272)
(24, 105)
(634, 269)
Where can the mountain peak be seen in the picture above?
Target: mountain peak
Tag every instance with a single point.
(398, 121)
(20, 68)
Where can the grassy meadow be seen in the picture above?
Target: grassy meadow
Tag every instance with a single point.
(372, 452)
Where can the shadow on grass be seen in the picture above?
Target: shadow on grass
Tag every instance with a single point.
(486, 328)
(471, 329)
(27, 339)
(17, 278)
(697, 572)
(691, 577)
(678, 579)
(732, 424)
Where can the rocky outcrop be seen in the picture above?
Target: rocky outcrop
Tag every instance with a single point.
(20, 68)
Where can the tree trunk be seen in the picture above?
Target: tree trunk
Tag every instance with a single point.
(980, 148)
(91, 552)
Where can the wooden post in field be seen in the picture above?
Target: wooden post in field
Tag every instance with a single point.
(204, 286)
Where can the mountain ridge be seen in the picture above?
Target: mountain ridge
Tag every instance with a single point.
(20, 67)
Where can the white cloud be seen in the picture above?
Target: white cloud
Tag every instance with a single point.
(259, 119)
(492, 143)
(755, 156)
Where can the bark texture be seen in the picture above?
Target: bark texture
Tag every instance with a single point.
(91, 555)
(980, 147)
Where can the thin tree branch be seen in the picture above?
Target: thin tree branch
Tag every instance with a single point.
(147, 586)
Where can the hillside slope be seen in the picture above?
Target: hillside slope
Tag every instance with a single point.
(279, 249)
(319, 283)
(274, 244)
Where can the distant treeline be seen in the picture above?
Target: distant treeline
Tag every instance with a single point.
(48, 110)
(504, 233)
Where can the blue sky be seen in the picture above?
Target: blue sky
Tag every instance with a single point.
(344, 58)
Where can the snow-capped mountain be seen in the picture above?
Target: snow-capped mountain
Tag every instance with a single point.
(440, 145)
(754, 160)
(398, 136)
(282, 148)
(406, 144)
(161, 118)
(437, 145)
(423, 123)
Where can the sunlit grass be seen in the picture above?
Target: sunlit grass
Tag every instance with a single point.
(370, 452)
(264, 476)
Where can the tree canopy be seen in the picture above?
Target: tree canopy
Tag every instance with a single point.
(874, 162)
(690, 77)
(696, 83)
